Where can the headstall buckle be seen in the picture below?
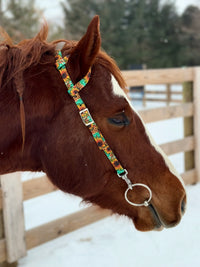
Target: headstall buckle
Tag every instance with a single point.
(86, 117)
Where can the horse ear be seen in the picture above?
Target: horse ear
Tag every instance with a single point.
(85, 52)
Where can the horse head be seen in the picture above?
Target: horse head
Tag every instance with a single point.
(57, 141)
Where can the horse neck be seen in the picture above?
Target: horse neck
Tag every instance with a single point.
(11, 156)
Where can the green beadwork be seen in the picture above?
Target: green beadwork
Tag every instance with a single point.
(79, 102)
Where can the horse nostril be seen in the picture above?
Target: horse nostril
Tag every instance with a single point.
(183, 206)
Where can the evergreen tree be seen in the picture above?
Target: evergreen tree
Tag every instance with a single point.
(190, 36)
(154, 34)
(133, 32)
(139, 31)
(164, 38)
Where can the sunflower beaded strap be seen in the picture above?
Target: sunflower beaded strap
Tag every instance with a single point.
(73, 90)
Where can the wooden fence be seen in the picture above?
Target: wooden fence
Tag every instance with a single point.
(146, 95)
(167, 95)
(15, 241)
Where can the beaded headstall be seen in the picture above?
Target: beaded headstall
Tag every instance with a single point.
(73, 91)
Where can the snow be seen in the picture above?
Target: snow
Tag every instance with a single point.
(114, 241)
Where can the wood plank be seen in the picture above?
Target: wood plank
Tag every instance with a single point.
(164, 113)
(64, 225)
(34, 188)
(196, 84)
(162, 92)
(189, 177)
(1, 202)
(188, 125)
(13, 216)
(182, 145)
(156, 99)
(3, 253)
(157, 76)
(37, 187)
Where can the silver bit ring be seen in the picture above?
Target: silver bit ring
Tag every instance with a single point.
(145, 203)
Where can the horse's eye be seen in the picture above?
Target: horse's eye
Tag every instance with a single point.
(119, 119)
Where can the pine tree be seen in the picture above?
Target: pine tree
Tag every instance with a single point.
(154, 34)
(190, 36)
(139, 31)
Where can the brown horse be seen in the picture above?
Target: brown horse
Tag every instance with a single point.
(41, 130)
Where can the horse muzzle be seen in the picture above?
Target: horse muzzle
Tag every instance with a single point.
(162, 222)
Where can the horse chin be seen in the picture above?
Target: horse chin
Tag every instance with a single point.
(142, 227)
(159, 229)
(153, 223)
(160, 224)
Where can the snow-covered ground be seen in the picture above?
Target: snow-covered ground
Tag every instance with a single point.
(114, 241)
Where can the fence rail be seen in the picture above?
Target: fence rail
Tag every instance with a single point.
(40, 186)
(145, 95)
(158, 76)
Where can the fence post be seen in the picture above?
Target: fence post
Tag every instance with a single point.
(5, 263)
(188, 125)
(13, 216)
(2, 235)
(197, 120)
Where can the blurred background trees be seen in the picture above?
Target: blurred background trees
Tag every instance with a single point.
(190, 38)
(140, 32)
(134, 32)
(20, 19)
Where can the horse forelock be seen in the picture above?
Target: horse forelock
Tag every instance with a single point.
(16, 58)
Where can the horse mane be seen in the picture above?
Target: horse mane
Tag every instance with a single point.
(16, 58)
(29, 52)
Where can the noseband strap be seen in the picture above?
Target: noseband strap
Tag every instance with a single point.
(73, 91)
